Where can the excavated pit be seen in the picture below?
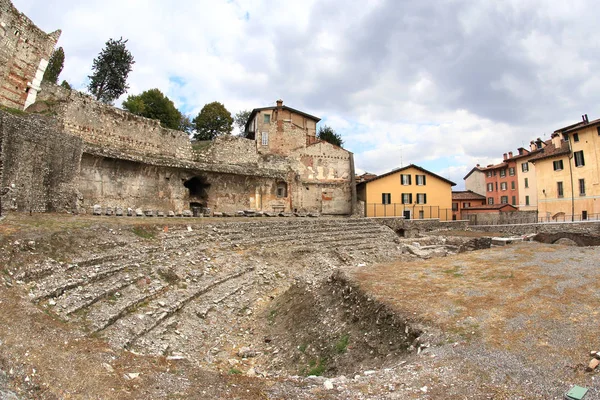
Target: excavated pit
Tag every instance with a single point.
(260, 297)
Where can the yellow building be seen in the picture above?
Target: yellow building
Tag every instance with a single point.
(411, 192)
(567, 173)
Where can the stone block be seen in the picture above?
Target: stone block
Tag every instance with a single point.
(206, 212)
(149, 213)
(130, 212)
(217, 214)
(187, 213)
(97, 210)
(240, 213)
(313, 215)
(179, 213)
(160, 213)
(170, 214)
(109, 211)
(119, 212)
(139, 212)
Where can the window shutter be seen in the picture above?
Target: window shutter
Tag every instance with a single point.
(409, 196)
(382, 198)
(409, 182)
(424, 180)
(425, 198)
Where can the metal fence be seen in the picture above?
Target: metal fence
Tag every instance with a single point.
(570, 218)
(408, 211)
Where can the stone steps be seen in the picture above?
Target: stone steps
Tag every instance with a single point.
(169, 303)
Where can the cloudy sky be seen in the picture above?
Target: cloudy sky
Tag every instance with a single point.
(444, 84)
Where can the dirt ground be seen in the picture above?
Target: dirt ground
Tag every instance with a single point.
(505, 323)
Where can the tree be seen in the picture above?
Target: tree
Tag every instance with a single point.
(55, 66)
(154, 104)
(66, 85)
(212, 121)
(185, 124)
(327, 134)
(240, 119)
(110, 70)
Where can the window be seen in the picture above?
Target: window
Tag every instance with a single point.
(421, 214)
(454, 206)
(490, 187)
(566, 137)
(421, 180)
(495, 173)
(512, 185)
(265, 138)
(267, 118)
(489, 173)
(405, 179)
(282, 189)
(503, 186)
(582, 187)
(579, 161)
(584, 215)
(526, 182)
(386, 198)
(559, 189)
(504, 200)
(511, 171)
(466, 205)
(598, 129)
(502, 173)
(406, 198)
(490, 200)
(576, 137)
(525, 167)
(558, 165)
(421, 198)
(496, 186)
(514, 201)
(526, 200)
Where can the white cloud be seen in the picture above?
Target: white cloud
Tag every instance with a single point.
(447, 84)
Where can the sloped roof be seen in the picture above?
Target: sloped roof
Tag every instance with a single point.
(466, 195)
(490, 207)
(550, 151)
(404, 169)
(473, 170)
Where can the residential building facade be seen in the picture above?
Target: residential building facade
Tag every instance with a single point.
(475, 181)
(411, 192)
(567, 173)
(501, 182)
(463, 201)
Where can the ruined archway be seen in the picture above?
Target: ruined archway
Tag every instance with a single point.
(198, 188)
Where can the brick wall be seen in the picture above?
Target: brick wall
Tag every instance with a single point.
(24, 53)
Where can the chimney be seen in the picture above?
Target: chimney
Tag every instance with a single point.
(587, 121)
(477, 165)
(279, 104)
(532, 146)
(510, 154)
(556, 140)
(504, 156)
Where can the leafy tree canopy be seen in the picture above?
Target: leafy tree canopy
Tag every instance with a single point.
(327, 134)
(240, 119)
(154, 104)
(55, 66)
(110, 70)
(185, 124)
(212, 121)
(66, 85)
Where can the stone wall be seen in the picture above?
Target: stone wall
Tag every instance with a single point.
(104, 125)
(24, 53)
(229, 149)
(590, 228)
(413, 227)
(41, 162)
(501, 218)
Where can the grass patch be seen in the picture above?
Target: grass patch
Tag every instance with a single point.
(271, 316)
(453, 271)
(315, 367)
(302, 347)
(234, 371)
(342, 344)
(201, 145)
(13, 111)
(144, 232)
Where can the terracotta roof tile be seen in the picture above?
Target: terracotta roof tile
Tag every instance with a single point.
(467, 195)
(551, 151)
(490, 207)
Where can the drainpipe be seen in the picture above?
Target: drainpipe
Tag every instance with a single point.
(570, 157)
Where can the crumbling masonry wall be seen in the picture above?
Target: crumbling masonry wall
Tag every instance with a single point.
(101, 124)
(24, 53)
(40, 161)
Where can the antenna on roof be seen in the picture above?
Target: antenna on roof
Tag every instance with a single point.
(401, 164)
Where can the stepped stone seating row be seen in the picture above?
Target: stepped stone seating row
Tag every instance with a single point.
(138, 212)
